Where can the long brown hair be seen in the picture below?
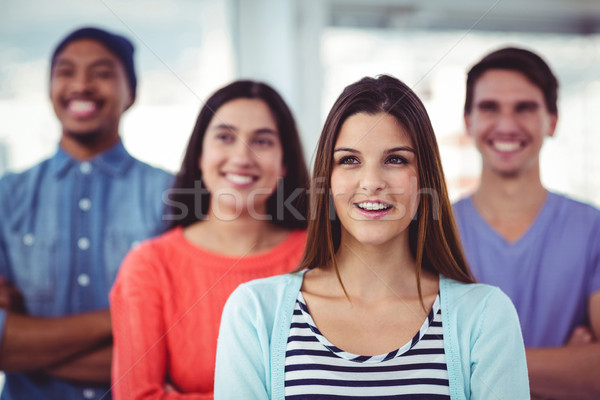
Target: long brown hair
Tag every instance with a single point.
(434, 241)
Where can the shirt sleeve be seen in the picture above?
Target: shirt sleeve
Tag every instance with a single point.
(498, 364)
(140, 352)
(242, 370)
(2, 323)
(595, 260)
(4, 265)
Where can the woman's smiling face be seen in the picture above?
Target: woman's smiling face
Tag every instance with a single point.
(374, 179)
(242, 157)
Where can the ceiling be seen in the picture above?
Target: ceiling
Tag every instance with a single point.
(580, 17)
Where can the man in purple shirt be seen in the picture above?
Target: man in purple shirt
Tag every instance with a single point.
(67, 224)
(541, 248)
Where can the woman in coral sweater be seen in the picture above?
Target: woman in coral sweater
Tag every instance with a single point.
(238, 212)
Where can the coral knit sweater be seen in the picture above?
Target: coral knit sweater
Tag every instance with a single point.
(166, 309)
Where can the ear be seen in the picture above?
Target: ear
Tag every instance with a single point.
(468, 124)
(130, 100)
(553, 123)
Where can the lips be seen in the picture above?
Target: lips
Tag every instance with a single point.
(373, 206)
(373, 209)
(82, 108)
(239, 179)
(506, 146)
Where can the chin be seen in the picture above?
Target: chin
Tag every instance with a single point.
(372, 239)
(84, 136)
(508, 172)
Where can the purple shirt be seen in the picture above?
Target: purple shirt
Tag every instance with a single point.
(549, 273)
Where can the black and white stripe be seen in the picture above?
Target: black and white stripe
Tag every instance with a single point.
(316, 369)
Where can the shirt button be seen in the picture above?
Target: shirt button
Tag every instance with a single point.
(88, 393)
(83, 243)
(85, 204)
(84, 280)
(85, 167)
(28, 239)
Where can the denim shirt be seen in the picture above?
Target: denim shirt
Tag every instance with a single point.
(65, 228)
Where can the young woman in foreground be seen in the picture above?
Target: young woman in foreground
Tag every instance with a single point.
(230, 225)
(384, 305)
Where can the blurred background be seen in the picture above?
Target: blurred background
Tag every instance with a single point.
(309, 50)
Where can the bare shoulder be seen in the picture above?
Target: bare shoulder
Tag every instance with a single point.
(321, 282)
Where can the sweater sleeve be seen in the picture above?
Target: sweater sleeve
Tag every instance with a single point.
(498, 364)
(139, 368)
(242, 369)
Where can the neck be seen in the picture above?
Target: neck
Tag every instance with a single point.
(242, 235)
(372, 272)
(499, 194)
(87, 147)
(510, 205)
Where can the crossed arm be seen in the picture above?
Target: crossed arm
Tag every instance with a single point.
(76, 347)
(571, 371)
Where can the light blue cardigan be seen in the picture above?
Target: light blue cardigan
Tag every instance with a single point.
(484, 348)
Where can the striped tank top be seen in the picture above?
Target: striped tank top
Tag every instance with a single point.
(316, 369)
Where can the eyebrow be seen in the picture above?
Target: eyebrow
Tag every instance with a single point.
(519, 104)
(103, 62)
(487, 103)
(388, 151)
(224, 127)
(530, 104)
(259, 131)
(401, 148)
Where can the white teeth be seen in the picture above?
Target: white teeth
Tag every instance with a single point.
(367, 205)
(507, 146)
(239, 179)
(82, 106)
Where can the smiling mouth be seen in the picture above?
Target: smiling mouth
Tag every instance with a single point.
(506, 146)
(239, 179)
(373, 206)
(82, 108)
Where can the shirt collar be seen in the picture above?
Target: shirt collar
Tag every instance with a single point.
(113, 161)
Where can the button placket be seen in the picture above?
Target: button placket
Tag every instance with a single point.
(83, 280)
(85, 204)
(82, 236)
(85, 167)
(28, 239)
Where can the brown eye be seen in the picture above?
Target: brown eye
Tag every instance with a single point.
(225, 137)
(62, 72)
(264, 142)
(396, 160)
(103, 74)
(348, 160)
(527, 107)
(487, 106)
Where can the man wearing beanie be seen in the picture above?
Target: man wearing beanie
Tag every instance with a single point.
(67, 224)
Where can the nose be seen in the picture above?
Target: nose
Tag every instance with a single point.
(372, 179)
(507, 123)
(80, 83)
(242, 153)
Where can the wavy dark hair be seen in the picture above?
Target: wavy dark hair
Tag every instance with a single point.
(434, 241)
(188, 200)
